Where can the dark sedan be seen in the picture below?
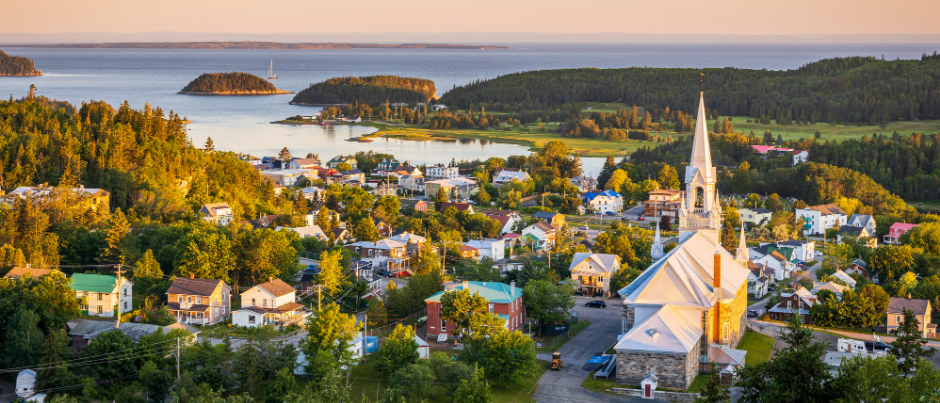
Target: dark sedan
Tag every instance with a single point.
(596, 304)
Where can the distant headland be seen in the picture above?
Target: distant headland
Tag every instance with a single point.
(233, 83)
(256, 45)
(16, 66)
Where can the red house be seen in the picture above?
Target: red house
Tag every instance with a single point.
(503, 300)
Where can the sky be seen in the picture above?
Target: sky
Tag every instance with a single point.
(374, 18)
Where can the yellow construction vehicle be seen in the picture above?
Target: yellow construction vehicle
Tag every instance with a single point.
(556, 361)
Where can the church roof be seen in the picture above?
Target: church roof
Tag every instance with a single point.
(666, 332)
(685, 276)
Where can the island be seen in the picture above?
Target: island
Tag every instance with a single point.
(371, 90)
(233, 83)
(16, 66)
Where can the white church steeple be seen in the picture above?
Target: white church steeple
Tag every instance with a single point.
(742, 254)
(700, 212)
(656, 251)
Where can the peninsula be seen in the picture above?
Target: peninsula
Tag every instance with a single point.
(233, 83)
(256, 45)
(370, 90)
(16, 66)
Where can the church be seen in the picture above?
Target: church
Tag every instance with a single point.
(689, 308)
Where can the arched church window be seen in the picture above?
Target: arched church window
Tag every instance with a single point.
(699, 197)
(726, 332)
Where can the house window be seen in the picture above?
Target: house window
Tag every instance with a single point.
(179, 299)
(100, 310)
(99, 296)
(190, 299)
(199, 300)
(264, 302)
(252, 302)
(125, 305)
(789, 304)
(125, 292)
(84, 293)
(491, 307)
(251, 319)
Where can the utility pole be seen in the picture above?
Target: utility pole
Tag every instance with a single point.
(177, 359)
(319, 295)
(117, 284)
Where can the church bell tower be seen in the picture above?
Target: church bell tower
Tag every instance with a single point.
(701, 211)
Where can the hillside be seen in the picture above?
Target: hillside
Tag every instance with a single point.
(370, 90)
(233, 83)
(17, 66)
(855, 89)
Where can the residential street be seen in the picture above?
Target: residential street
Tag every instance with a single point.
(565, 386)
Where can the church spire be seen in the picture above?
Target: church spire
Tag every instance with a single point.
(741, 254)
(701, 153)
(656, 251)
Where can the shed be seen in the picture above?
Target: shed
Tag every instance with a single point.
(424, 349)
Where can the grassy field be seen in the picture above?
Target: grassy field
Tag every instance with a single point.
(367, 382)
(827, 132)
(585, 147)
(758, 347)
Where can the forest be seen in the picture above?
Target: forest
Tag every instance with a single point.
(17, 66)
(371, 90)
(853, 89)
(233, 83)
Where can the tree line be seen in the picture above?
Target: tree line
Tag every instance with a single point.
(371, 90)
(222, 83)
(17, 66)
(853, 89)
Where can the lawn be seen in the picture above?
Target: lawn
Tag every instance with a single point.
(758, 347)
(367, 382)
(547, 341)
(827, 132)
(602, 385)
(585, 147)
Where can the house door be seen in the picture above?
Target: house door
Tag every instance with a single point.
(647, 391)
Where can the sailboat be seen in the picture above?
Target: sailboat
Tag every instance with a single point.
(271, 75)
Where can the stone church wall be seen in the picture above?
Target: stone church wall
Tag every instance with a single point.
(675, 371)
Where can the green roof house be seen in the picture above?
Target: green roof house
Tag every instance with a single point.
(503, 300)
(103, 294)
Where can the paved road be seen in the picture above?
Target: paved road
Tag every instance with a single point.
(565, 386)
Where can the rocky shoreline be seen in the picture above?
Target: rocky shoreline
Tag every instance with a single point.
(249, 92)
(37, 73)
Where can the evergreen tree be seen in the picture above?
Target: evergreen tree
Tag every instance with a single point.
(609, 167)
(366, 231)
(909, 344)
(795, 373)
(210, 145)
(440, 198)
(118, 228)
(55, 352)
(729, 240)
(714, 391)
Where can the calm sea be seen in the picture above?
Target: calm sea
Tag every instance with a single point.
(242, 124)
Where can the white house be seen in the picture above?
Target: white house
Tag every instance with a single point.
(543, 232)
(803, 250)
(817, 219)
(494, 249)
(412, 183)
(755, 216)
(217, 213)
(506, 176)
(800, 156)
(862, 220)
(437, 172)
(591, 272)
(271, 303)
(758, 279)
(860, 233)
(603, 202)
(307, 232)
(103, 293)
(774, 260)
(288, 177)
(507, 218)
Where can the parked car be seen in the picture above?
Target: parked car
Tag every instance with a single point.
(596, 304)
(880, 345)
(752, 314)
(642, 218)
(584, 227)
(611, 213)
(384, 272)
